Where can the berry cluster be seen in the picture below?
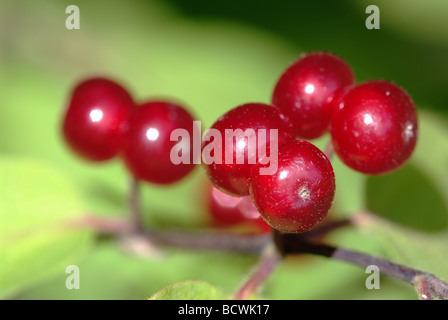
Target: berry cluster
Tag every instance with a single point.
(288, 180)
(373, 127)
(103, 121)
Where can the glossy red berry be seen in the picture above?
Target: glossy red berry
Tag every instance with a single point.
(375, 129)
(308, 91)
(228, 211)
(147, 143)
(300, 194)
(95, 118)
(238, 155)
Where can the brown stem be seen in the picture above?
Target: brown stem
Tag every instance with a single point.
(135, 207)
(253, 244)
(391, 269)
(427, 285)
(294, 244)
(263, 269)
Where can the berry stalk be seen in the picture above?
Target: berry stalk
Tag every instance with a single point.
(261, 272)
(135, 207)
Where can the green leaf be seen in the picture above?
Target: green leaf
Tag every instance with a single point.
(189, 290)
(36, 239)
(431, 154)
(417, 194)
(409, 198)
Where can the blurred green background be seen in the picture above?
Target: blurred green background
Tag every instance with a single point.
(212, 56)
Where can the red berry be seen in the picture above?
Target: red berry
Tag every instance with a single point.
(300, 194)
(95, 118)
(147, 142)
(375, 129)
(307, 92)
(229, 211)
(230, 176)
